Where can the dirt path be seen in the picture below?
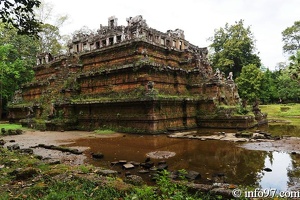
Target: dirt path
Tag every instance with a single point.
(33, 138)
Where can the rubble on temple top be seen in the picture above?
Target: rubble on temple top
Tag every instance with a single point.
(136, 28)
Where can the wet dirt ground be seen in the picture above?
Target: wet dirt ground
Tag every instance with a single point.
(287, 145)
(208, 157)
(33, 138)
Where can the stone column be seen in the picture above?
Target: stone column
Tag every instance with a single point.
(47, 58)
(115, 39)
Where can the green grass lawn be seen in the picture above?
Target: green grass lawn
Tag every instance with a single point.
(11, 126)
(284, 119)
(287, 112)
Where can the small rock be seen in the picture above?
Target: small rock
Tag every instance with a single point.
(122, 162)
(127, 173)
(193, 175)
(162, 167)
(134, 163)
(106, 172)
(13, 147)
(174, 175)
(11, 141)
(219, 174)
(114, 163)
(53, 162)
(23, 174)
(38, 157)
(267, 169)
(2, 142)
(148, 165)
(19, 131)
(75, 151)
(28, 151)
(143, 171)
(134, 180)
(97, 155)
(153, 169)
(128, 166)
(223, 192)
(162, 162)
(267, 135)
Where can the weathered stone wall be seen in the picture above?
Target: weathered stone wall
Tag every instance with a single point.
(141, 116)
(131, 86)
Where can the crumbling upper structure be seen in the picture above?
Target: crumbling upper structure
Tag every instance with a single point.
(129, 78)
(136, 28)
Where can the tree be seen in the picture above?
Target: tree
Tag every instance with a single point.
(249, 82)
(269, 92)
(17, 56)
(13, 72)
(288, 88)
(291, 38)
(233, 47)
(294, 66)
(50, 39)
(20, 15)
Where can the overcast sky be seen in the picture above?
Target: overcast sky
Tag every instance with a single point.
(198, 18)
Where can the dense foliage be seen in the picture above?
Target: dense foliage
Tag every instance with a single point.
(291, 38)
(250, 82)
(20, 15)
(17, 56)
(233, 48)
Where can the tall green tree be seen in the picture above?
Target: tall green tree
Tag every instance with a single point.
(294, 66)
(50, 39)
(249, 82)
(269, 92)
(287, 87)
(291, 38)
(20, 15)
(233, 47)
(17, 56)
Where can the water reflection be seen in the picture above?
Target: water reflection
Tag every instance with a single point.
(278, 179)
(281, 129)
(211, 158)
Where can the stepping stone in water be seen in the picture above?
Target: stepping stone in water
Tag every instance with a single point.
(128, 166)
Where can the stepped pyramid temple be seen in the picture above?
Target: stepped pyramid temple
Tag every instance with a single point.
(129, 78)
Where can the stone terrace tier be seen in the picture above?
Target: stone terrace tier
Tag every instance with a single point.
(129, 78)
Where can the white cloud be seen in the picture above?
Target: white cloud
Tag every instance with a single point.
(198, 18)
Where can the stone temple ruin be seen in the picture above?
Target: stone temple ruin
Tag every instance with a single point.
(129, 78)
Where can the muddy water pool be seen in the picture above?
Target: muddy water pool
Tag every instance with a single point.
(216, 161)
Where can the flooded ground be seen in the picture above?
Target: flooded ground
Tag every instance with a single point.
(216, 161)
